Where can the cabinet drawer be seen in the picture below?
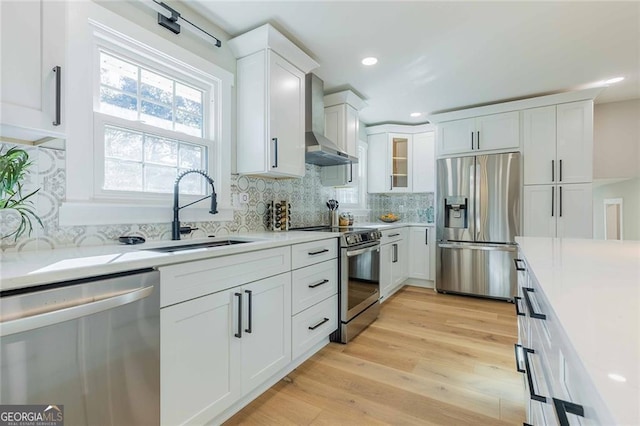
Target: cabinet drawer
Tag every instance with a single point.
(393, 235)
(314, 252)
(313, 325)
(313, 284)
(189, 280)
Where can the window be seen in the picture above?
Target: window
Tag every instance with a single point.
(355, 194)
(150, 126)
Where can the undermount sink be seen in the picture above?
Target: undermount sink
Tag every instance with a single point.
(208, 244)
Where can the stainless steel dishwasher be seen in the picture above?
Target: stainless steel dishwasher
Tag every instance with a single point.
(90, 345)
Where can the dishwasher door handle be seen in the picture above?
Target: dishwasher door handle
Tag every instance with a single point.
(56, 316)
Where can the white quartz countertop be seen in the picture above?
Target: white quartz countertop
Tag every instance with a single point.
(391, 225)
(31, 268)
(593, 287)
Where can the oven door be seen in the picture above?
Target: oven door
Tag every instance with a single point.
(360, 279)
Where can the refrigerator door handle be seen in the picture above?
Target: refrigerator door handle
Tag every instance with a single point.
(477, 208)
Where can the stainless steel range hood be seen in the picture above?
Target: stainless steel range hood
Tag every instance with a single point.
(320, 150)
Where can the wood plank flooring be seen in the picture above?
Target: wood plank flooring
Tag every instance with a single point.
(429, 359)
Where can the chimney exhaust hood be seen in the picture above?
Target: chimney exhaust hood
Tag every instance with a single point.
(319, 149)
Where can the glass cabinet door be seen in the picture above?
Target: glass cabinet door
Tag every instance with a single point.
(399, 162)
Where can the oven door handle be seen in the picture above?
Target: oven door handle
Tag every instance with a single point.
(374, 247)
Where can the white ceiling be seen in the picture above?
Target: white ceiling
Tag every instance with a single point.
(440, 56)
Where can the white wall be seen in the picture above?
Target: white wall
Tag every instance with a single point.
(616, 140)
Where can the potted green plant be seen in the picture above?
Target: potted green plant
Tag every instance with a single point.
(14, 165)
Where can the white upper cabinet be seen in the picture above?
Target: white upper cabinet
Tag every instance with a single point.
(341, 120)
(33, 46)
(558, 144)
(270, 96)
(423, 159)
(479, 134)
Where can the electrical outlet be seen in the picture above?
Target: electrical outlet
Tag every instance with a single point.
(243, 198)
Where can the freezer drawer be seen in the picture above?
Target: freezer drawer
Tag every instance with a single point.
(478, 269)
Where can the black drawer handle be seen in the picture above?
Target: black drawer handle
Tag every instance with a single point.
(393, 235)
(527, 366)
(517, 349)
(313, 327)
(527, 298)
(313, 253)
(250, 319)
(318, 283)
(519, 268)
(239, 333)
(564, 407)
(516, 302)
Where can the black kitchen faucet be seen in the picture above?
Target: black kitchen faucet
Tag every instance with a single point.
(176, 229)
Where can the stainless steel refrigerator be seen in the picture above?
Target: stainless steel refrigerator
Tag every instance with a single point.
(478, 217)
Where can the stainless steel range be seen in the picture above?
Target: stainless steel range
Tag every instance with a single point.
(359, 283)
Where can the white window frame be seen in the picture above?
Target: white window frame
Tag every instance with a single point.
(94, 28)
(360, 183)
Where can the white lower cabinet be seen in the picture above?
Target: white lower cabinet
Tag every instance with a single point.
(313, 325)
(216, 348)
(421, 254)
(393, 261)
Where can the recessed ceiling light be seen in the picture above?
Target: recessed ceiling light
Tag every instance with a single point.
(617, 377)
(613, 80)
(370, 61)
(416, 114)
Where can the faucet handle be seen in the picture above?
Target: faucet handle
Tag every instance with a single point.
(184, 230)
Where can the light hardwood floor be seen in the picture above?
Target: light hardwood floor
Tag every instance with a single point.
(429, 359)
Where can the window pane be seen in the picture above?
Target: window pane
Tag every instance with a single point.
(118, 74)
(189, 124)
(159, 179)
(189, 99)
(193, 184)
(119, 104)
(122, 175)
(190, 156)
(122, 144)
(156, 115)
(156, 87)
(160, 151)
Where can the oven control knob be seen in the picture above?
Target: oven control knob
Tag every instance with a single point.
(350, 239)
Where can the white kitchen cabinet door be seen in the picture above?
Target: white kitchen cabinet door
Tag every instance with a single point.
(270, 95)
(575, 142)
(387, 253)
(400, 165)
(199, 358)
(498, 131)
(266, 329)
(540, 211)
(32, 36)
(334, 125)
(539, 140)
(455, 137)
(424, 163)
(574, 213)
(378, 164)
(419, 252)
(432, 254)
(400, 263)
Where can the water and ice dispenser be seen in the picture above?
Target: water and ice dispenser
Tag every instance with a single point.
(456, 212)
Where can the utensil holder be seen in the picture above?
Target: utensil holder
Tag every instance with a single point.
(333, 218)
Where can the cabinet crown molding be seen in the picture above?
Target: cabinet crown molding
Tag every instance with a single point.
(344, 97)
(267, 37)
(558, 98)
(400, 128)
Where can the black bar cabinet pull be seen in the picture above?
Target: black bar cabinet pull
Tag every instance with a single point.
(560, 201)
(553, 170)
(527, 298)
(516, 302)
(313, 253)
(250, 319)
(426, 236)
(472, 141)
(275, 151)
(516, 347)
(478, 140)
(395, 253)
(564, 407)
(239, 333)
(313, 327)
(390, 182)
(350, 172)
(553, 196)
(560, 173)
(58, 72)
(518, 268)
(527, 366)
(318, 284)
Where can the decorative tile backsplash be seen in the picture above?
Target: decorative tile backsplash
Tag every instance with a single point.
(307, 197)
